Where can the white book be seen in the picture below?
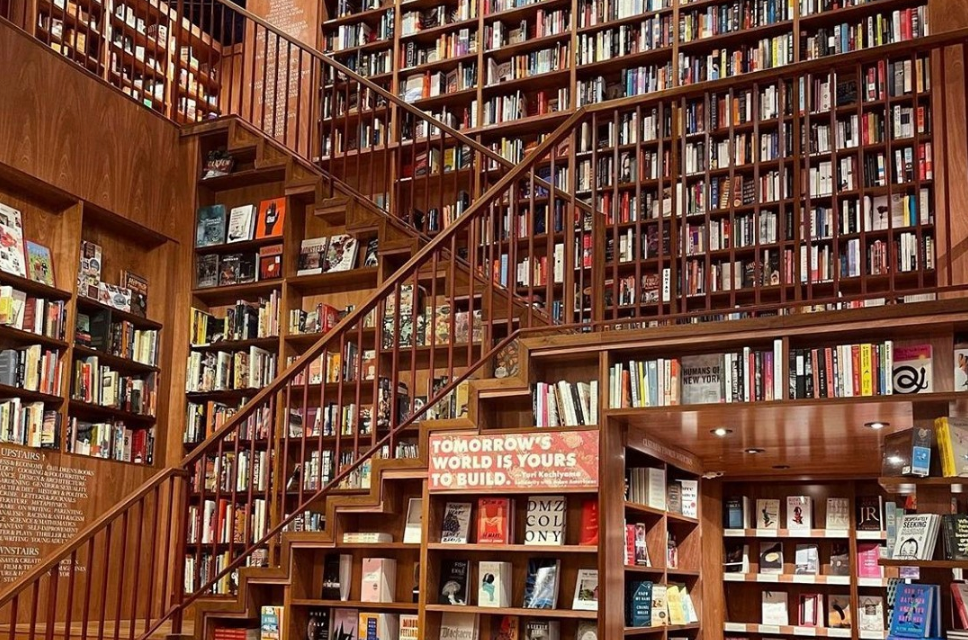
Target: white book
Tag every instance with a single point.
(690, 498)
(870, 613)
(414, 525)
(241, 223)
(916, 537)
(586, 591)
(775, 610)
(455, 527)
(494, 584)
(656, 488)
(767, 514)
(379, 579)
(545, 520)
(458, 626)
(838, 514)
(799, 513)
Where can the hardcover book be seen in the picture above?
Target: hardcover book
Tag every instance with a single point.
(868, 553)
(372, 257)
(241, 223)
(272, 216)
(211, 226)
(660, 606)
(345, 623)
(913, 369)
(955, 536)
(89, 274)
(378, 626)
(413, 526)
(587, 630)
(638, 603)
(952, 435)
(379, 579)
(542, 630)
(674, 498)
(917, 611)
(12, 252)
(495, 520)
(839, 559)
(736, 513)
(545, 520)
(341, 253)
(40, 264)
(736, 558)
(961, 369)
(541, 584)
(771, 557)
(799, 513)
(458, 626)
(409, 627)
(586, 591)
(138, 286)
(916, 537)
(870, 513)
(494, 584)
(271, 623)
(453, 582)
(589, 522)
(702, 379)
(775, 608)
(690, 497)
(838, 611)
(767, 514)
(870, 613)
(838, 514)
(337, 573)
(317, 627)
(456, 524)
(810, 609)
(270, 262)
(312, 256)
(505, 628)
(807, 560)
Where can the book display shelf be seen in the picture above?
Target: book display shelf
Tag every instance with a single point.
(81, 351)
(134, 45)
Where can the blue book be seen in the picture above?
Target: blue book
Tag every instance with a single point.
(917, 611)
(638, 604)
(541, 585)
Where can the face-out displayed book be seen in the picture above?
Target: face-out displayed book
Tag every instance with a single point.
(12, 251)
(459, 626)
(494, 584)
(541, 584)
(952, 437)
(545, 520)
(913, 369)
(771, 557)
(917, 535)
(327, 254)
(768, 514)
(456, 524)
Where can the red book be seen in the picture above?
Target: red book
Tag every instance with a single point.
(630, 545)
(867, 556)
(855, 367)
(589, 522)
(494, 520)
(272, 215)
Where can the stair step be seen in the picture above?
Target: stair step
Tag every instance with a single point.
(334, 207)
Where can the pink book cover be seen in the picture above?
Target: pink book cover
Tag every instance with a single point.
(867, 556)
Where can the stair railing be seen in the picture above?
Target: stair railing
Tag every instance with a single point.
(357, 394)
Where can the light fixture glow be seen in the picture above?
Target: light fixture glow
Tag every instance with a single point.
(876, 425)
(754, 450)
(722, 432)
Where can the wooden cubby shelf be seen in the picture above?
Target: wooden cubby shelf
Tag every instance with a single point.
(515, 611)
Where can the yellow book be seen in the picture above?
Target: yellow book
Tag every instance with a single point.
(676, 613)
(866, 377)
(943, 435)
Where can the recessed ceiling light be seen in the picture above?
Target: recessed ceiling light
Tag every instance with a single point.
(754, 450)
(781, 467)
(876, 425)
(722, 432)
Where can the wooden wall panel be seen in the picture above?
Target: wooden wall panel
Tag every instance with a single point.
(64, 127)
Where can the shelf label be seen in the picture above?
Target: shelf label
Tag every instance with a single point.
(838, 633)
(870, 582)
(767, 577)
(766, 533)
(805, 579)
(734, 533)
(804, 631)
(770, 628)
(735, 627)
(835, 533)
(552, 460)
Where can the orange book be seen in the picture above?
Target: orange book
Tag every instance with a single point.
(589, 522)
(272, 216)
(495, 520)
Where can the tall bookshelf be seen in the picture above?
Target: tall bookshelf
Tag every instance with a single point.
(129, 420)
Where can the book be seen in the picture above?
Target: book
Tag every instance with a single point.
(272, 217)
(241, 223)
(959, 598)
(952, 437)
(414, 524)
(541, 583)
(505, 628)
(660, 607)
(12, 251)
(809, 609)
(799, 513)
(912, 371)
(806, 560)
(454, 575)
(495, 518)
(586, 591)
(456, 524)
(961, 369)
(839, 559)
(917, 611)
(270, 262)
(916, 537)
(40, 264)
(690, 497)
(589, 522)
(702, 379)
(545, 520)
(344, 624)
(868, 553)
(955, 536)
(210, 229)
(409, 628)
(542, 630)
(838, 611)
(138, 286)
(775, 608)
(869, 513)
(379, 579)
(270, 627)
(89, 273)
(771, 557)
(337, 573)
(870, 613)
(736, 514)
(312, 256)
(638, 603)
(317, 626)
(736, 558)
(494, 584)
(341, 253)
(586, 630)
(206, 271)
(458, 626)
(908, 452)
(378, 626)
(838, 514)
(372, 256)
(767, 514)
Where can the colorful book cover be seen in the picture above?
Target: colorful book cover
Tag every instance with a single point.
(12, 255)
(494, 520)
(913, 371)
(40, 265)
(272, 217)
(211, 226)
(913, 605)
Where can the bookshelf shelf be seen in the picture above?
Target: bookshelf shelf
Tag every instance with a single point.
(511, 548)
(515, 611)
(641, 631)
(35, 288)
(90, 304)
(525, 9)
(95, 410)
(244, 178)
(787, 533)
(122, 364)
(270, 342)
(924, 564)
(27, 337)
(786, 578)
(32, 396)
(907, 485)
(229, 294)
(395, 546)
(360, 278)
(789, 630)
(358, 604)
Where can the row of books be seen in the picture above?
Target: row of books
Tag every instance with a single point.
(332, 367)
(111, 441)
(631, 82)
(413, 22)
(119, 338)
(34, 368)
(565, 403)
(226, 522)
(351, 36)
(246, 320)
(226, 370)
(205, 418)
(334, 253)
(855, 370)
(345, 419)
(545, 519)
(522, 104)
(545, 23)
(129, 295)
(101, 385)
(29, 424)
(449, 45)
(649, 604)
(234, 471)
(432, 84)
(215, 270)
(774, 610)
(33, 314)
(647, 486)
(806, 561)
(873, 31)
(721, 19)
